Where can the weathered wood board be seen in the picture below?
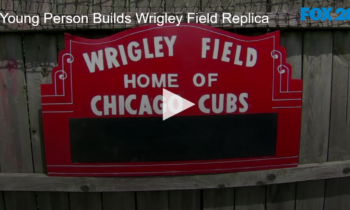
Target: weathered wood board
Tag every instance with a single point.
(157, 200)
(85, 201)
(337, 195)
(41, 57)
(15, 145)
(250, 198)
(119, 201)
(317, 77)
(185, 199)
(218, 199)
(42, 182)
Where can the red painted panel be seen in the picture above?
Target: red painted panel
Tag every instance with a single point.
(253, 69)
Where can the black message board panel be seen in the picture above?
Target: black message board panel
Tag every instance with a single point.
(150, 139)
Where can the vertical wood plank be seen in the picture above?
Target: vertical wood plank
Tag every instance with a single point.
(20, 200)
(119, 201)
(33, 53)
(53, 201)
(85, 201)
(15, 147)
(339, 144)
(282, 196)
(16, 155)
(317, 75)
(250, 198)
(184, 199)
(156, 200)
(310, 195)
(2, 203)
(337, 194)
(218, 199)
(41, 57)
(338, 190)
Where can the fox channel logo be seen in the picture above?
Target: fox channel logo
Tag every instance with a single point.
(324, 14)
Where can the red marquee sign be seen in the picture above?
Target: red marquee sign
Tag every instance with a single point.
(102, 114)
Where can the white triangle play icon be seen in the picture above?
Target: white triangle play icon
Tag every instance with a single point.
(174, 104)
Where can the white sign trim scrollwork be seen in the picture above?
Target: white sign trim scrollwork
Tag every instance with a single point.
(63, 76)
(281, 69)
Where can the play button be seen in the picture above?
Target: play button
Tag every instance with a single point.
(173, 104)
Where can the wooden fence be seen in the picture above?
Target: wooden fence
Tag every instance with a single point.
(321, 58)
(322, 181)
